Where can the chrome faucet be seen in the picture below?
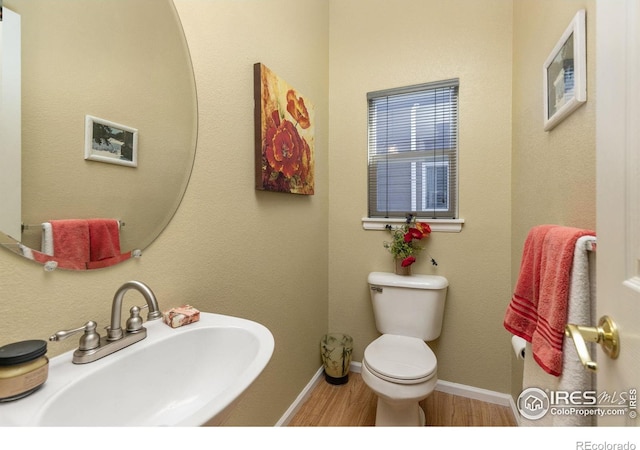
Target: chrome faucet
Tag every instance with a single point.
(93, 347)
(114, 332)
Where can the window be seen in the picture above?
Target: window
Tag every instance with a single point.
(413, 151)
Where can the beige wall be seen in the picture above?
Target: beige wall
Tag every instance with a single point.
(229, 249)
(298, 264)
(553, 173)
(376, 44)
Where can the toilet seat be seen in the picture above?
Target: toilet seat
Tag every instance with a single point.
(400, 359)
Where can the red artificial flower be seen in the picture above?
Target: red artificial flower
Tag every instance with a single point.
(413, 233)
(297, 109)
(408, 261)
(424, 228)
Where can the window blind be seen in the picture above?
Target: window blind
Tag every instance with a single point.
(413, 151)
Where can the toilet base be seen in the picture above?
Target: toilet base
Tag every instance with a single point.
(398, 404)
(399, 414)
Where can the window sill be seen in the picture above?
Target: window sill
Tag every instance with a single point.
(440, 225)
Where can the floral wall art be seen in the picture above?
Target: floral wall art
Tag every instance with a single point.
(284, 135)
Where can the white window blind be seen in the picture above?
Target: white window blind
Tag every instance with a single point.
(413, 151)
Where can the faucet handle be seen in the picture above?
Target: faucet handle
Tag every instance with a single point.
(134, 322)
(89, 340)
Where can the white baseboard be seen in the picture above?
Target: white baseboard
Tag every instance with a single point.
(448, 387)
(299, 401)
(474, 393)
(463, 390)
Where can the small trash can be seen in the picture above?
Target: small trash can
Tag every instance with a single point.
(336, 349)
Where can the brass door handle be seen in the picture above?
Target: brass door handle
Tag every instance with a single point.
(606, 334)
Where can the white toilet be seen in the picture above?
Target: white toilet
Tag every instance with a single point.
(399, 366)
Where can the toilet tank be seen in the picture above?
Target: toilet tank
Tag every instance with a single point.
(408, 305)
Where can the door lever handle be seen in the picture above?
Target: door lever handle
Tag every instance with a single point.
(606, 334)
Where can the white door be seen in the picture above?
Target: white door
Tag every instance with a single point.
(618, 200)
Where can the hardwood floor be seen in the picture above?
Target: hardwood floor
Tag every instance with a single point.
(354, 404)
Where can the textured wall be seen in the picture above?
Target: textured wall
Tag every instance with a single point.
(376, 45)
(299, 264)
(553, 173)
(229, 249)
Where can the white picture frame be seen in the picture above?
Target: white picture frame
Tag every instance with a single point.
(565, 74)
(110, 142)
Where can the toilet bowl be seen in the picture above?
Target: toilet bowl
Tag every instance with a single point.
(401, 371)
(398, 366)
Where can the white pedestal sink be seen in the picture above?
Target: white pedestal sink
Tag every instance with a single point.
(187, 376)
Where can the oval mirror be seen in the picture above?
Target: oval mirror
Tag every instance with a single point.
(109, 118)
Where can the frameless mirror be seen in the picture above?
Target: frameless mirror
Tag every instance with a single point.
(121, 65)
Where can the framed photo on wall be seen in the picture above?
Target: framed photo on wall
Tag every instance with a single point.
(565, 73)
(110, 142)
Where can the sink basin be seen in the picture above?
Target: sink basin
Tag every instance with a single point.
(188, 376)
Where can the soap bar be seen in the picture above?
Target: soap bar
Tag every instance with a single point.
(182, 315)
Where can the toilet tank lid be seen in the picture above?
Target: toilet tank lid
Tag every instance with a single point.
(417, 281)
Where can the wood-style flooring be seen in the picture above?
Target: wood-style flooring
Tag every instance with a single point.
(354, 404)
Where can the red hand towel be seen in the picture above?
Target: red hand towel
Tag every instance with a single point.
(538, 309)
(104, 239)
(71, 240)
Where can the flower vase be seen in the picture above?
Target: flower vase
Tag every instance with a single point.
(402, 270)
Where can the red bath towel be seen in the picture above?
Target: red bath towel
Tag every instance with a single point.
(538, 308)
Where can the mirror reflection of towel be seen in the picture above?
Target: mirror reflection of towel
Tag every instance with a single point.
(81, 243)
(71, 239)
(104, 239)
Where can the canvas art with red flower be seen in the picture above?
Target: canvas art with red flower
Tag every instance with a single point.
(284, 135)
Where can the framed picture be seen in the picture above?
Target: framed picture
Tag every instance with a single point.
(284, 135)
(110, 142)
(565, 73)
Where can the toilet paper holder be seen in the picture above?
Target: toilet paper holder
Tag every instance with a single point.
(606, 334)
